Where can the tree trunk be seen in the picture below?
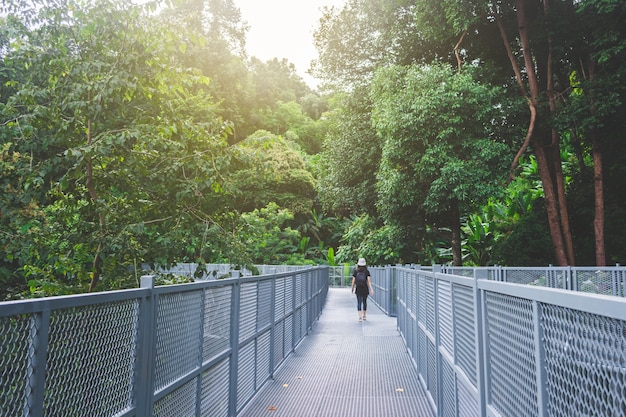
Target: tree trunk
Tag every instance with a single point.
(549, 189)
(555, 147)
(545, 144)
(598, 187)
(598, 183)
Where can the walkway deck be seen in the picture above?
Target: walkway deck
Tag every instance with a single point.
(345, 369)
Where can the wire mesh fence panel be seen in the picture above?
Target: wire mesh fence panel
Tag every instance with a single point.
(448, 401)
(597, 281)
(262, 363)
(468, 405)
(526, 276)
(604, 280)
(202, 348)
(91, 360)
(15, 362)
(181, 402)
(245, 374)
(178, 332)
(432, 375)
(445, 319)
(480, 347)
(217, 316)
(247, 311)
(264, 305)
(279, 343)
(465, 329)
(585, 363)
(214, 393)
(512, 388)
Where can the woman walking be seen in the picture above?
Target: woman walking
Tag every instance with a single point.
(362, 283)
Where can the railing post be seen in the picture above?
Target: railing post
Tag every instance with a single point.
(201, 351)
(272, 328)
(481, 349)
(439, 370)
(39, 331)
(146, 350)
(391, 272)
(572, 280)
(293, 312)
(542, 395)
(234, 345)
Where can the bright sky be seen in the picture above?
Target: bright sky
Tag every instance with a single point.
(284, 29)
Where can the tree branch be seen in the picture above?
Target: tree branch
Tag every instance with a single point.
(531, 103)
(456, 50)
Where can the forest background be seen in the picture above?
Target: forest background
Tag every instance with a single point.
(472, 133)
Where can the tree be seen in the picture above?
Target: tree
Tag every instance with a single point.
(267, 237)
(124, 142)
(215, 44)
(285, 105)
(274, 171)
(353, 41)
(443, 140)
(596, 96)
(348, 163)
(365, 237)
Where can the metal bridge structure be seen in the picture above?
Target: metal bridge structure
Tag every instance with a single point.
(438, 341)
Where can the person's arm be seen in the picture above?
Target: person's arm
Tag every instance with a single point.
(353, 282)
(369, 283)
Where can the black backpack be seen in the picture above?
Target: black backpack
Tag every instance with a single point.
(361, 278)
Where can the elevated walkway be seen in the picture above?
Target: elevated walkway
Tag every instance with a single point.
(287, 345)
(344, 368)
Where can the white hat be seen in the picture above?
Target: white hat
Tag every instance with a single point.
(361, 262)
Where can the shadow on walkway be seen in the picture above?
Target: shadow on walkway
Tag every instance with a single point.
(345, 368)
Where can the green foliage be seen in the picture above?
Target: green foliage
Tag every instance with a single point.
(115, 150)
(364, 237)
(268, 240)
(282, 101)
(527, 241)
(443, 142)
(285, 115)
(274, 170)
(351, 155)
(127, 137)
(420, 173)
(356, 39)
(123, 145)
(479, 240)
(508, 217)
(330, 258)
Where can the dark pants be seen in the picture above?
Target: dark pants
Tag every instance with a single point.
(361, 302)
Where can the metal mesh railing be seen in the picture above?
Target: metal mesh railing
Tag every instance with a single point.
(15, 335)
(512, 371)
(483, 347)
(596, 280)
(587, 351)
(480, 346)
(195, 349)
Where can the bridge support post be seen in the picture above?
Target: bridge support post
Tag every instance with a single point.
(146, 351)
(234, 347)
